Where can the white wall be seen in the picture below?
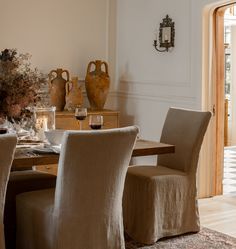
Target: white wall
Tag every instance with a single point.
(149, 82)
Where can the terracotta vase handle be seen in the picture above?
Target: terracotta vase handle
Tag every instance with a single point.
(106, 66)
(67, 74)
(89, 66)
(50, 75)
(68, 83)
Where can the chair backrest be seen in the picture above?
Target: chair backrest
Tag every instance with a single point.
(89, 189)
(185, 129)
(7, 150)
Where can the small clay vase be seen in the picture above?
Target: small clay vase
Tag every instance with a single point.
(57, 88)
(97, 84)
(74, 96)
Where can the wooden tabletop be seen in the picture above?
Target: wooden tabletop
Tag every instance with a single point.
(142, 148)
(149, 148)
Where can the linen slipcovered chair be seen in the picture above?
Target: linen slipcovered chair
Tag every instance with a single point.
(7, 150)
(160, 201)
(86, 210)
(20, 182)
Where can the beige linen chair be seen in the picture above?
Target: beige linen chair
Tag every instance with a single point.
(160, 200)
(20, 182)
(86, 210)
(7, 150)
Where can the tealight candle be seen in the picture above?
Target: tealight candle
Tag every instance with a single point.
(41, 126)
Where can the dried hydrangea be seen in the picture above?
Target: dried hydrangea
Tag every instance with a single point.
(19, 84)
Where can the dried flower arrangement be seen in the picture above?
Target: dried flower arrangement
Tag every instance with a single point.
(19, 84)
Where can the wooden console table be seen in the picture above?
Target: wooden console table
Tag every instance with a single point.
(66, 120)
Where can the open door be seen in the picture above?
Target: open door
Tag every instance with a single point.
(219, 99)
(214, 100)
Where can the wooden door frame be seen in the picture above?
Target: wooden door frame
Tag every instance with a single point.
(219, 98)
(219, 103)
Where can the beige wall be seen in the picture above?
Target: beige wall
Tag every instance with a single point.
(57, 33)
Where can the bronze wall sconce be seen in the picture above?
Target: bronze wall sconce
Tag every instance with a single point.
(166, 35)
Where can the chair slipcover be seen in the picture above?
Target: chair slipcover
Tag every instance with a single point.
(20, 182)
(160, 200)
(85, 209)
(7, 150)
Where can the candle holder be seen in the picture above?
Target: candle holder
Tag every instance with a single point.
(166, 35)
(44, 118)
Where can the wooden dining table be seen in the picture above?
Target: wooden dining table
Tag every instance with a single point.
(142, 148)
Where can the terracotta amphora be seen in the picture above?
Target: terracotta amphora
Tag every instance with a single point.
(97, 84)
(57, 88)
(74, 96)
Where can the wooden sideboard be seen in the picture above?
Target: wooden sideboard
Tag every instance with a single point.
(66, 120)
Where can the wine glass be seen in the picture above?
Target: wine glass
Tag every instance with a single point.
(3, 130)
(80, 114)
(95, 122)
(3, 126)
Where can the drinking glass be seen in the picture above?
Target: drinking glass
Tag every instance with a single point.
(95, 122)
(80, 114)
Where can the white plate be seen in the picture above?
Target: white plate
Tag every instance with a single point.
(55, 148)
(26, 146)
(44, 150)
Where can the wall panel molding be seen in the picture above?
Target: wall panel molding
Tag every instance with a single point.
(155, 83)
(166, 98)
(163, 98)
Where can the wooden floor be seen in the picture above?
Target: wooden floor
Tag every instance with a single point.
(219, 213)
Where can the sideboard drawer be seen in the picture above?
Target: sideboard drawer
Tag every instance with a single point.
(51, 169)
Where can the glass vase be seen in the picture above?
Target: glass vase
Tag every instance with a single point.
(44, 118)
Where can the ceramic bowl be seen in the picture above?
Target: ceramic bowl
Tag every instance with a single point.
(54, 137)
